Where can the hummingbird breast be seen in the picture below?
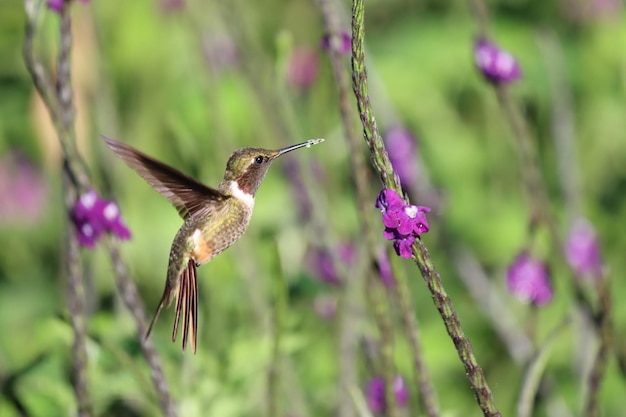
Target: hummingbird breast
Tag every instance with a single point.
(209, 236)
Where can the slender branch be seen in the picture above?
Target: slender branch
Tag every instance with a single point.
(534, 372)
(604, 321)
(130, 296)
(76, 302)
(59, 102)
(389, 178)
(428, 398)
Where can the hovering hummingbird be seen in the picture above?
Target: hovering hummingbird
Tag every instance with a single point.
(214, 219)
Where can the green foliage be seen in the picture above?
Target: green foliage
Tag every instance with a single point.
(142, 75)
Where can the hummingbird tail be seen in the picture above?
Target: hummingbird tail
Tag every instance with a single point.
(187, 304)
(166, 298)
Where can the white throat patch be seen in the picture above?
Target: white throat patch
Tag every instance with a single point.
(238, 193)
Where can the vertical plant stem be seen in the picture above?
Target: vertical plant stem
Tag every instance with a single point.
(427, 395)
(598, 369)
(279, 290)
(128, 292)
(389, 178)
(76, 303)
(75, 287)
(360, 175)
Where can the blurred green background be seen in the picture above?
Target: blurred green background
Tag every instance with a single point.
(189, 82)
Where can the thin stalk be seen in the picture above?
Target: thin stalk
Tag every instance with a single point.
(130, 296)
(58, 99)
(427, 395)
(389, 178)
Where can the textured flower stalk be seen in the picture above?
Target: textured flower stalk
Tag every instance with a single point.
(389, 178)
(58, 99)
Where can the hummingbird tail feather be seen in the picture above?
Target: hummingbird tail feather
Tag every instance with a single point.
(187, 305)
(166, 298)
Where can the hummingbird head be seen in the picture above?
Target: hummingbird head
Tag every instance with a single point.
(247, 166)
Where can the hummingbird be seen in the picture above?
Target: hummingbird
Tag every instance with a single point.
(214, 219)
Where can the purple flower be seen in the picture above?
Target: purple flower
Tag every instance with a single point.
(93, 216)
(23, 190)
(57, 5)
(302, 68)
(321, 262)
(582, 250)
(497, 65)
(384, 269)
(341, 42)
(403, 223)
(375, 393)
(403, 245)
(528, 279)
(402, 148)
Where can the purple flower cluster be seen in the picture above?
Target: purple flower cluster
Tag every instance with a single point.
(528, 279)
(341, 42)
(582, 250)
(57, 5)
(375, 393)
(496, 65)
(93, 216)
(403, 223)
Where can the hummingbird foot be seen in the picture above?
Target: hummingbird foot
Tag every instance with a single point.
(187, 305)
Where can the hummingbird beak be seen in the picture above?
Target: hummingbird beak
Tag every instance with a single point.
(308, 144)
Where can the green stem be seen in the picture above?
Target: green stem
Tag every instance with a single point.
(427, 394)
(389, 178)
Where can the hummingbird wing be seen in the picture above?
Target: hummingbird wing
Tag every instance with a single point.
(186, 194)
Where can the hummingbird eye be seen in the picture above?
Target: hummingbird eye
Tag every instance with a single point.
(258, 159)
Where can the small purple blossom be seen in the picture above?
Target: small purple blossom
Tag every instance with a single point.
(528, 279)
(375, 393)
(402, 148)
(321, 262)
(57, 5)
(496, 65)
(582, 250)
(303, 68)
(403, 223)
(23, 190)
(384, 269)
(340, 42)
(93, 216)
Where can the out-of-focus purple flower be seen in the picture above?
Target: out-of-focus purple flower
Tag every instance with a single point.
(340, 42)
(582, 250)
(384, 269)
(93, 216)
(497, 65)
(325, 306)
(403, 223)
(220, 51)
(303, 68)
(375, 393)
(528, 279)
(23, 191)
(57, 5)
(402, 148)
(171, 6)
(321, 262)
